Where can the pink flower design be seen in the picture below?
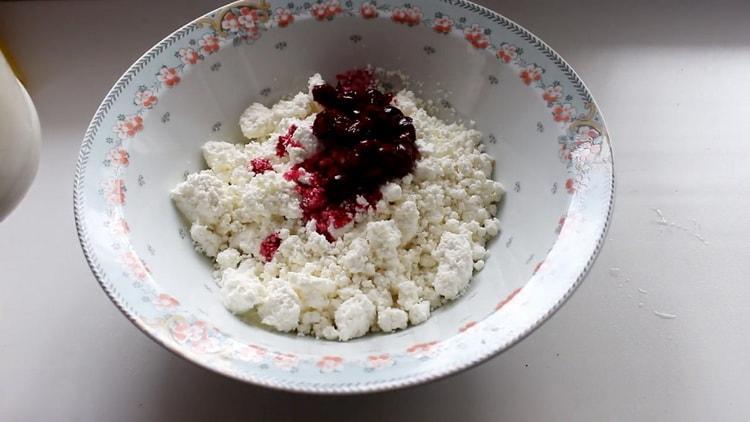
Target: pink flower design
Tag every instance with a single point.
(586, 146)
(251, 353)
(285, 361)
(333, 8)
(422, 350)
(368, 11)
(230, 23)
(329, 363)
(115, 191)
(120, 226)
(209, 43)
(165, 301)
(563, 112)
(248, 18)
(587, 134)
(565, 153)
(467, 326)
(119, 156)
(411, 16)
(127, 128)
(189, 55)
(325, 10)
(198, 335)
(552, 93)
(252, 34)
(318, 11)
(531, 73)
(145, 98)
(507, 52)
(399, 15)
(414, 16)
(586, 152)
(284, 17)
(135, 265)
(168, 76)
(475, 35)
(507, 299)
(443, 25)
(570, 186)
(379, 361)
(184, 332)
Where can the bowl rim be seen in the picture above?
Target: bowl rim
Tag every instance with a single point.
(396, 383)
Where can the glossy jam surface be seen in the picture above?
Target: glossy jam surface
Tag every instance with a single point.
(365, 143)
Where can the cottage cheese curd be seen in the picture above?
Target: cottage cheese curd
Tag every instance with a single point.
(397, 260)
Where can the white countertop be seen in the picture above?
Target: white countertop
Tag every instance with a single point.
(673, 81)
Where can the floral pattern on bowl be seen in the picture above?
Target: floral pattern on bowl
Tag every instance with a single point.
(118, 141)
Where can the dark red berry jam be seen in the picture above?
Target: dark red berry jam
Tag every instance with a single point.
(365, 142)
(269, 246)
(260, 165)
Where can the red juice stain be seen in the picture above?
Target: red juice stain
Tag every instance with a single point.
(269, 246)
(356, 79)
(260, 165)
(366, 142)
(286, 141)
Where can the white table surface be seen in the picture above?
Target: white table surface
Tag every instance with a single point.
(673, 80)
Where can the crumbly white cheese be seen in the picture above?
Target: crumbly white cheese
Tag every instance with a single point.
(206, 241)
(281, 309)
(394, 264)
(455, 264)
(354, 317)
(419, 312)
(241, 290)
(258, 121)
(313, 291)
(390, 319)
(267, 195)
(228, 258)
(203, 198)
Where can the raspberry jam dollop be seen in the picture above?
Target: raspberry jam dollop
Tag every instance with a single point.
(260, 165)
(286, 141)
(269, 246)
(365, 143)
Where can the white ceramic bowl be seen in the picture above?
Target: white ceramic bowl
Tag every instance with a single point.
(540, 124)
(20, 140)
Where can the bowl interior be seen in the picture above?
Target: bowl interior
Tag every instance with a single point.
(144, 246)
